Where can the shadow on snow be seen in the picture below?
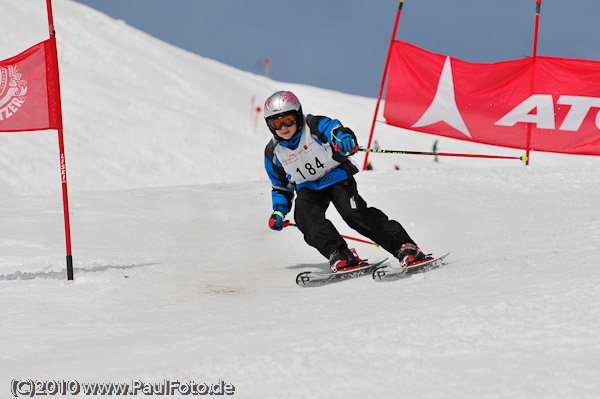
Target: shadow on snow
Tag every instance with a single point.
(63, 273)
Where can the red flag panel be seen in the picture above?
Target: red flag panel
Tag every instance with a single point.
(29, 90)
(557, 99)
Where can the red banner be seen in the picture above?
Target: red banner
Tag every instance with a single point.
(29, 90)
(555, 100)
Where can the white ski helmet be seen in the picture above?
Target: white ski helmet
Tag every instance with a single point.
(283, 103)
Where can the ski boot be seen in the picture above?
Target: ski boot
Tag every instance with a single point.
(343, 259)
(410, 255)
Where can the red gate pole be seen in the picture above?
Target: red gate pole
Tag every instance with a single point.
(385, 69)
(61, 144)
(535, 43)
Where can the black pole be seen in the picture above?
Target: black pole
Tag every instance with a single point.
(442, 154)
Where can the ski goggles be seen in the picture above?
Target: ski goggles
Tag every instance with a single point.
(286, 120)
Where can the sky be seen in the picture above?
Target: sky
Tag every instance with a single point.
(343, 44)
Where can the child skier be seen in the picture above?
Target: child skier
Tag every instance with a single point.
(309, 155)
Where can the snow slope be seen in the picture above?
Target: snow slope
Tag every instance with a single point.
(178, 277)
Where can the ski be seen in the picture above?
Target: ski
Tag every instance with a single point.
(387, 273)
(317, 279)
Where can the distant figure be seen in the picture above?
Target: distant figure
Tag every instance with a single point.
(376, 145)
(435, 147)
(369, 166)
(397, 167)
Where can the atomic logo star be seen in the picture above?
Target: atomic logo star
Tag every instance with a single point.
(443, 108)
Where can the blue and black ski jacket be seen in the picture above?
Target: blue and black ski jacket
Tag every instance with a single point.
(320, 130)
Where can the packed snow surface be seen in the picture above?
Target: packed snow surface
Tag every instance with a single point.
(177, 276)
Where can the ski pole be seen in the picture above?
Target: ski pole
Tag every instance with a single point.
(523, 158)
(287, 223)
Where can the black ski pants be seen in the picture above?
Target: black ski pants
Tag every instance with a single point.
(319, 232)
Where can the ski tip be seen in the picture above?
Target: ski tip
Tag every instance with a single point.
(303, 278)
(380, 273)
